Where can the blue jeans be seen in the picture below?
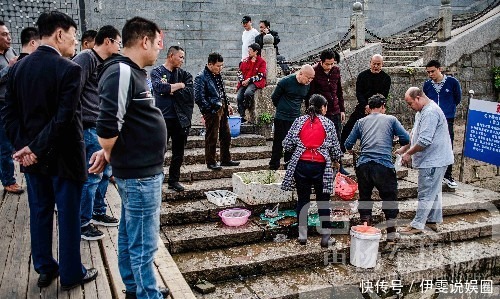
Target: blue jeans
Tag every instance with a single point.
(430, 201)
(6, 163)
(43, 193)
(94, 189)
(138, 233)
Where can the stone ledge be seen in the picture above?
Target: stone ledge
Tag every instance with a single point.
(261, 258)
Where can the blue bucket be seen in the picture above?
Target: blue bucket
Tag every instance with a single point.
(234, 125)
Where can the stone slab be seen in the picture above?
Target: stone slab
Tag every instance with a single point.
(202, 236)
(242, 140)
(196, 189)
(197, 155)
(264, 257)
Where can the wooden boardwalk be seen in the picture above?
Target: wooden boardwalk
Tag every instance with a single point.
(18, 278)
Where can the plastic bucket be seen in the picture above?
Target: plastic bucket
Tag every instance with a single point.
(234, 125)
(364, 249)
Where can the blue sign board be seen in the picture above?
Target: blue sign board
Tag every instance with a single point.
(482, 139)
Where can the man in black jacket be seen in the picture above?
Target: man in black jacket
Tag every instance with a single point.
(265, 28)
(210, 96)
(173, 92)
(133, 135)
(369, 82)
(43, 121)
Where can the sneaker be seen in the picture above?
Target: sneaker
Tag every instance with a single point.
(91, 233)
(343, 171)
(450, 182)
(105, 220)
(14, 189)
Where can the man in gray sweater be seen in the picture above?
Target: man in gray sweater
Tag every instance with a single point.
(430, 153)
(93, 206)
(375, 168)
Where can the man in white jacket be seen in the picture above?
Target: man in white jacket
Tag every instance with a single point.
(248, 36)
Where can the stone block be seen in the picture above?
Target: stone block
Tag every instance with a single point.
(261, 187)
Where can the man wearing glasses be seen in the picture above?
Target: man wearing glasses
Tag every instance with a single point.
(93, 206)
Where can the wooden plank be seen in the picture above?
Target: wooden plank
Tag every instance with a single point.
(52, 290)
(171, 275)
(60, 293)
(22, 261)
(33, 289)
(110, 244)
(102, 282)
(90, 288)
(7, 227)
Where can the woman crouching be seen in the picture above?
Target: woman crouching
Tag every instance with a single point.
(315, 147)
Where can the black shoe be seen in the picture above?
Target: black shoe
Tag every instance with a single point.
(105, 220)
(132, 295)
(176, 186)
(91, 275)
(45, 279)
(214, 166)
(274, 167)
(230, 163)
(91, 233)
(243, 120)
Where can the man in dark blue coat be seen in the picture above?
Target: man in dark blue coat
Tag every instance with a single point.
(43, 121)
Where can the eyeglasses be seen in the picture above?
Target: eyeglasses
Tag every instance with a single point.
(115, 41)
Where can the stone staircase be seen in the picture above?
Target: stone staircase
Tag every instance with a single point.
(246, 262)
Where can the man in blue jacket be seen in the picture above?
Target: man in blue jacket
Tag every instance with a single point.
(447, 93)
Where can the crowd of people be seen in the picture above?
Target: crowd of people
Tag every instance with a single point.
(91, 117)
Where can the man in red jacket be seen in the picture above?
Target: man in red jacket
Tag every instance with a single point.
(251, 76)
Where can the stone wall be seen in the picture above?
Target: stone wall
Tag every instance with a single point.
(204, 26)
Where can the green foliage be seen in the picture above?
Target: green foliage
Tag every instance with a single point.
(265, 118)
(496, 77)
(410, 71)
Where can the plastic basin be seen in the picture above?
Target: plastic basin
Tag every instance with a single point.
(234, 217)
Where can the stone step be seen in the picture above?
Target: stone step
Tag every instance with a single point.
(240, 141)
(266, 257)
(403, 53)
(390, 63)
(203, 236)
(230, 72)
(454, 264)
(231, 90)
(196, 208)
(400, 58)
(197, 155)
(196, 189)
(387, 47)
(231, 77)
(229, 83)
(197, 172)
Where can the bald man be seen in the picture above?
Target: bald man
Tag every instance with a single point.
(369, 82)
(430, 152)
(288, 96)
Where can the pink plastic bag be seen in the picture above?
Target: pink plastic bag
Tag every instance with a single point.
(345, 187)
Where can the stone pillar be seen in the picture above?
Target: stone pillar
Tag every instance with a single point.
(444, 24)
(269, 55)
(358, 31)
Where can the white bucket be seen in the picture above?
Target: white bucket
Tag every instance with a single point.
(364, 249)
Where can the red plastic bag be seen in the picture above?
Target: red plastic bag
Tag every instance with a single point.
(345, 187)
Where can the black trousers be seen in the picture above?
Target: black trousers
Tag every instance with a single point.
(372, 174)
(179, 139)
(281, 128)
(308, 174)
(358, 113)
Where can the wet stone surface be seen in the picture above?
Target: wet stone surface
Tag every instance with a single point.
(196, 237)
